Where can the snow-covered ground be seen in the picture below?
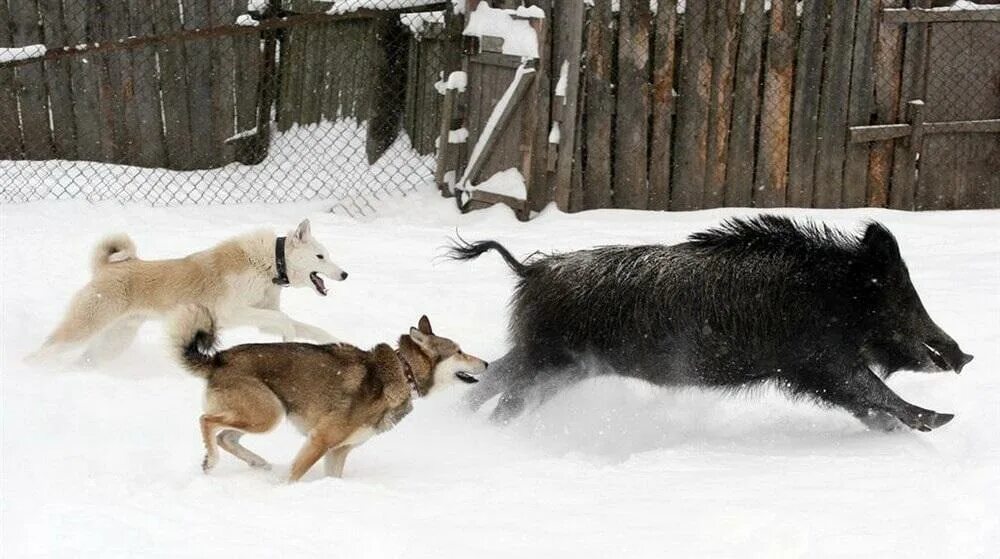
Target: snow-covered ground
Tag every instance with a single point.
(105, 462)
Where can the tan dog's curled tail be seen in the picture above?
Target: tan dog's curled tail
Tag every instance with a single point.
(113, 248)
(192, 336)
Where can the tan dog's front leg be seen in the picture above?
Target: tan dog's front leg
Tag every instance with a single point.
(311, 452)
(335, 459)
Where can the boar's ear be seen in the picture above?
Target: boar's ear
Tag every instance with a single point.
(880, 243)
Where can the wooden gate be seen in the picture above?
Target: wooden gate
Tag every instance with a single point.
(493, 139)
(946, 152)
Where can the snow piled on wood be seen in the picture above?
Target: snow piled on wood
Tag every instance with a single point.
(519, 38)
(506, 183)
(22, 53)
(320, 161)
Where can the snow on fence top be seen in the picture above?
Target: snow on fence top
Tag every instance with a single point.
(416, 22)
(21, 53)
(347, 6)
(519, 39)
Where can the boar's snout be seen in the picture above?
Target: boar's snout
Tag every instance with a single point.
(946, 355)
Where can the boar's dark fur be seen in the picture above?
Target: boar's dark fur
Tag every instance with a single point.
(821, 313)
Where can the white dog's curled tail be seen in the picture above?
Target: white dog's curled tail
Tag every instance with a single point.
(113, 248)
(192, 337)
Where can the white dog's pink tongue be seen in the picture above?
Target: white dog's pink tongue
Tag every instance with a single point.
(318, 283)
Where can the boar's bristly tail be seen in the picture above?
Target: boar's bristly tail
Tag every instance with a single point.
(463, 250)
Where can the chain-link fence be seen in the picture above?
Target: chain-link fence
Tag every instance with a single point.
(645, 104)
(218, 101)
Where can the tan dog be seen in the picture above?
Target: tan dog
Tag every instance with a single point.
(239, 280)
(336, 394)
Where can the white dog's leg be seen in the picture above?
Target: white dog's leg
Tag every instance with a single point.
(266, 320)
(314, 333)
(113, 340)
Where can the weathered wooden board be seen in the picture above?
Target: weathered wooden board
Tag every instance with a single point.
(746, 107)
(772, 150)
(632, 105)
(247, 74)
(662, 104)
(567, 48)
(146, 89)
(832, 144)
(223, 82)
(724, 22)
(537, 116)
(690, 147)
(861, 104)
(805, 105)
(888, 68)
(31, 93)
(199, 87)
(58, 82)
(10, 125)
(173, 86)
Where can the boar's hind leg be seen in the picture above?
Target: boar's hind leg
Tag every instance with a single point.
(862, 393)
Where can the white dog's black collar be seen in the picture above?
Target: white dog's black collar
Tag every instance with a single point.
(279, 261)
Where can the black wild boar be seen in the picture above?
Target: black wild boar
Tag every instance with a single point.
(821, 313)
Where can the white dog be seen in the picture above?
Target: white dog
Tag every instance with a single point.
(239, 281)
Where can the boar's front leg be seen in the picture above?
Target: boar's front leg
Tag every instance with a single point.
(861, 392)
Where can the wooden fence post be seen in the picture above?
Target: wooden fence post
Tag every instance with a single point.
(724, 16)
(862, 104)
(691, 132)
(632, 113)
(832, 145)
(746, 106)
(599, 107)
(772, 153)
(805, 105)
(568, 45)
(665, 31)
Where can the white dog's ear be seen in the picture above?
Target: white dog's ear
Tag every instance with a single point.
(420, 339)
(303, 232)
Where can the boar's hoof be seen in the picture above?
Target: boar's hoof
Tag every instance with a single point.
(881, 421)
(926, 420)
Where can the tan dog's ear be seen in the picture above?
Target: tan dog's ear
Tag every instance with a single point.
(420, 339)
(425, 325)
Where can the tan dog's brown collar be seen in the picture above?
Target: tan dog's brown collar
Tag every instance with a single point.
(408, 373)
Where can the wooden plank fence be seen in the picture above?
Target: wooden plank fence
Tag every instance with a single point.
(751, 103)
(128, 96)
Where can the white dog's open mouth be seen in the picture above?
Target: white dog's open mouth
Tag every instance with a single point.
(318, 283)
(466, 377)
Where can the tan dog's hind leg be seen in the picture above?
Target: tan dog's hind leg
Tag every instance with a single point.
(335, 459)
(229, 440)
(237, 405)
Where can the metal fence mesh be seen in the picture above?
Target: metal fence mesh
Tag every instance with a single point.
(681, 104)
(177, 101)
